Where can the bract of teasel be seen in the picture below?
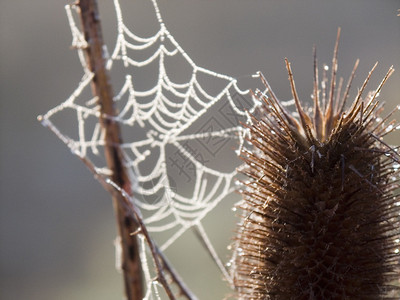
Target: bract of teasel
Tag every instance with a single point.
(320, 214)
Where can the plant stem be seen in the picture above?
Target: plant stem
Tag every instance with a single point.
(162, 266)
(102, 89)
(161, 263)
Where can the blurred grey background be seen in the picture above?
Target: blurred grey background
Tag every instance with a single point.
(56, 223)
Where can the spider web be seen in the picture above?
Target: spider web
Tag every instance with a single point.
(166, 112)
(174, 130)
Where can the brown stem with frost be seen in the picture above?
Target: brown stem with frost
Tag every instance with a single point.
(163, 268)
(102, 89)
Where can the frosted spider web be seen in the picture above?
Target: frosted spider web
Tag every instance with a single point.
(173, 118)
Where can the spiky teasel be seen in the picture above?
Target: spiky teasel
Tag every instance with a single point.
(320, 210)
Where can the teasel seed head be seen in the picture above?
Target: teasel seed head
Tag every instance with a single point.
(321, 206)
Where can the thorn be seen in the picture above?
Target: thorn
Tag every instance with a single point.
(304, 119)
(317, 109)
(329, 107)
(346, 93)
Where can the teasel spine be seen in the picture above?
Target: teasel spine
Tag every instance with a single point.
(320, 208)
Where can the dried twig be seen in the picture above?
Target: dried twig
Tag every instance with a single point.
(159, 260)
(102, 89)
(126, 201)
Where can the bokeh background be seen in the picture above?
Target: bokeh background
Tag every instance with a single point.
(56, 223)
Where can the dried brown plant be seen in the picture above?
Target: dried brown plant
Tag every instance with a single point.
(320, 209)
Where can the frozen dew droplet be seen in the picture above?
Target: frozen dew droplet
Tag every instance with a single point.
(389, 128)
(396, 251)
(234, 208)
(326, 67)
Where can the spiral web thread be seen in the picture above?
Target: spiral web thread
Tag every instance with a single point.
(166, 111)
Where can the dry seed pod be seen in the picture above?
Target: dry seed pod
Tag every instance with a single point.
(320, 210)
